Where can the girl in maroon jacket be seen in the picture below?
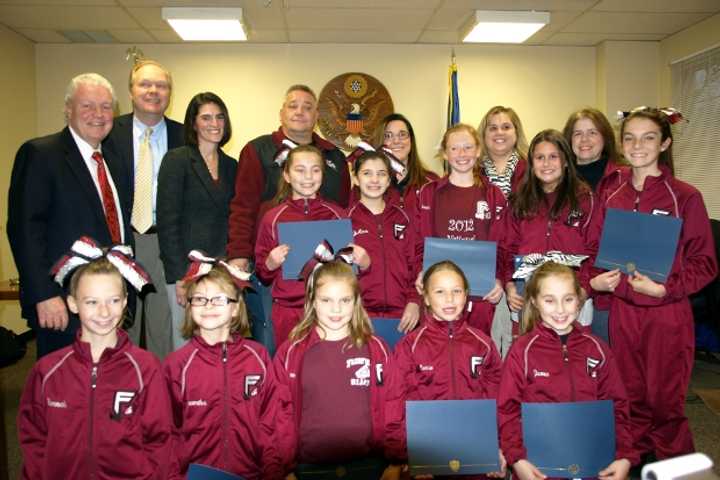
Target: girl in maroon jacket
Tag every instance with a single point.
(464, 205)
(384, 230)
(552, 211)
(335, 370)
(297, 200)
(99, 407)
(223, 390)
(445, 359)
(558, 360)
(651, 324)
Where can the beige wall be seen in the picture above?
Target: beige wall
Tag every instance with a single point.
(17, 80)
(691, 41)
(543, 83)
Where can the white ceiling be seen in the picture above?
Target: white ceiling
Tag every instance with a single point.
(573, 22)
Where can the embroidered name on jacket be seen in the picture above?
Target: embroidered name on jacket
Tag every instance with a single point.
(361, 377)
(56, 404)
(197, 403)
(540, 373)
(359, 231)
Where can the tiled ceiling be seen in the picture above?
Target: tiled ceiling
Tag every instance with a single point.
(573, 22)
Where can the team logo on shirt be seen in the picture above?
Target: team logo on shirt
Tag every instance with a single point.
(122, 398)
(591, 364)
(330, 164)
(573, 218)
(657, 211)
(251, 386)
(399, 231)
(475, 364)
(361, 377)
(379, 373)
(498, 211)
(482, 210)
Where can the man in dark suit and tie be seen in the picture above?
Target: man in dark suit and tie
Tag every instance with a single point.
(140, 139)
(64, 186)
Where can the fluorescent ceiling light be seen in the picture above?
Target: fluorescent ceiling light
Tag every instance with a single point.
(206, 24)
(489, 26)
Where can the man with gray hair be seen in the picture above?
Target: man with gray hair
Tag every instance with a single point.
(64, 186)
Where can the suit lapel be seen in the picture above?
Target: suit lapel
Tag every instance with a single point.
(203, 174)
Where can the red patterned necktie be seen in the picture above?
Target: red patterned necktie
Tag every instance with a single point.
(111, 214)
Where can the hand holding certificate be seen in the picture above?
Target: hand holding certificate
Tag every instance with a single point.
(476, 258)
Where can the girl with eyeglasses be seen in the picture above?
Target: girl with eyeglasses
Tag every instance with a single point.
(223, 390)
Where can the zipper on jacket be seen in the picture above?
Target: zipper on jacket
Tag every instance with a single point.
(451, 336)
(548, 232)
(568, 370)
(225, 405)
(384, 254)
(306, 207)
(637, 203)
(91, 448)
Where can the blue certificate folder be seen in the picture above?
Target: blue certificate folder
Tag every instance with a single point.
(304, 237)
(476, 258)
(452, 437)
(639, 241)
(569, 440)
(387, 328)
(197, 471)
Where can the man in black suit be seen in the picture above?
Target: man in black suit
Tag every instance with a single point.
(64, 186)
(140, 139)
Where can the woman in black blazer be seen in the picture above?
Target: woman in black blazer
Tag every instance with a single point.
(195, 185)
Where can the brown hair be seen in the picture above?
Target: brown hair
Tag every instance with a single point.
(530, 312)
(530, 194)
(521, 145)
(464, 127)
(284, 189)
(220, 277)
(662, 121)
(603, 126)
(143, 63)
(101, 266)
(416, 172)
(360, 327)
(445, 265)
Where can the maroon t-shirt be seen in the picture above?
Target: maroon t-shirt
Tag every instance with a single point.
(461, 213)
(335, 423)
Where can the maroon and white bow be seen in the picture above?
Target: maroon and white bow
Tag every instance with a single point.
(85, 250)
(672, 114)
(362, 147)
(201, 264)
(325, 253)
(282, 154)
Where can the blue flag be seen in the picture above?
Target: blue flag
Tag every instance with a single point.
(453, 110)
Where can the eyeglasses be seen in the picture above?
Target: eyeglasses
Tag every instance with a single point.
(401, 135)
(217, 301)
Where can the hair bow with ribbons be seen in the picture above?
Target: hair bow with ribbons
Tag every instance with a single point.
(282, 154)
(86, 250)
(324, 253)
(363, 147)
(672, 114)
(201, 264)
(532, 262)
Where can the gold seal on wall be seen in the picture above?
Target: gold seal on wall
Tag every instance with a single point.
(454, 465)
(351, 106)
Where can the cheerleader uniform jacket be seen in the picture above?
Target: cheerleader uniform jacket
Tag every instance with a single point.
(438, 361)
(224, 401)
(540, 368)
(104, 420)
(388, 285)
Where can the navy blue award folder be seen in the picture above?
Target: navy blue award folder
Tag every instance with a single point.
(639, 241)
(476, 258)
(197, 471)
(304, 237)
(387, 328)
(569, 440)
(452, 437)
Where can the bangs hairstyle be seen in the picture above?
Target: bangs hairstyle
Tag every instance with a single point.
(284, 189)
(662, 121)
(521, 145)
(191, 114)
(142, 63)
(530, 313)
(602, 125)
(371, 156)
(101, 266)
(530, 194)
(417, 174)
(444, 266)
(464, 127)
(222, 279)
(337, 271)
